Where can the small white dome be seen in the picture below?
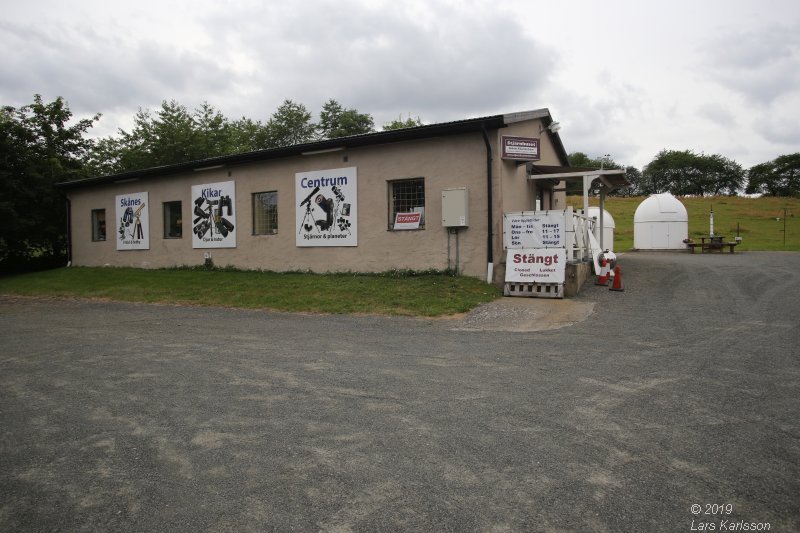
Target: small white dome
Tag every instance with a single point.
(608, 220)
(660, 223)
(661, 208)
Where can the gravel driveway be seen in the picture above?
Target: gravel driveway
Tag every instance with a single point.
(606, 412)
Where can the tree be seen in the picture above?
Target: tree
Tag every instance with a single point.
(38, 148)
(723, 175)
(175, 138)
(671, 171)
(247, 135)
(213, 131)
(105, 156)
(779, 177)
(172, 135)
(687, 173)
(335, 121)
(634, 176)
(290, 124)
(400, 123)
(581, 160)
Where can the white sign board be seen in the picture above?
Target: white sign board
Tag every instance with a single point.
(214, 215)
(407, 220)
(529, 265)
(534, 229)
(133, 221)
(326, 207)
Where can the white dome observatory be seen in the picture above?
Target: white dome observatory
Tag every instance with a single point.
(608, 226)
(660, 223)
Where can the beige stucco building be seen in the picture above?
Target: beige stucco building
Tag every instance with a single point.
(378, 203)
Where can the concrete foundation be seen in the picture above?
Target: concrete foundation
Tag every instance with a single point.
(576, 276)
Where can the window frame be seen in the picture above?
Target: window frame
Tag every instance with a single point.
(392, 200)
(164, 208)
(96, 227)
(257, 207)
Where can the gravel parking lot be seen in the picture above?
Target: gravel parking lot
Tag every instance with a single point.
(606, 412)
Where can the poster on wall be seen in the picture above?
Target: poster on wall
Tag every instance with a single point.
(133, 221)
(536, 265)
(214, 215)
(534, 229)
(326, 207)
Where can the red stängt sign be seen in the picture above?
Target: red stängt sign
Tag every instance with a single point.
(407, 220)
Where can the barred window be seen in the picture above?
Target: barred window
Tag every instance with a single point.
(265, 213)
(407, 196)
(173, 222)
(98, 224)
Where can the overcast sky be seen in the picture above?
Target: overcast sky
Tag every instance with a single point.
(627, 78)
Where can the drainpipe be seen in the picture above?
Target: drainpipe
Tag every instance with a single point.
(69, 233)
(489, 236)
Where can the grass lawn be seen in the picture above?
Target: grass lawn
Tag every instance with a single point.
(390, 294)
(760, 222)
(756, 218)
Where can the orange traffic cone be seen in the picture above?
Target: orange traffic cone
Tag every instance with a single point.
(602, 279)
(617, 286)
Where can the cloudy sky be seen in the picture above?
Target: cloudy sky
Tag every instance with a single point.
(627, 78)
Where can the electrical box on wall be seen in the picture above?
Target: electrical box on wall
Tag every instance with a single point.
(455, 208)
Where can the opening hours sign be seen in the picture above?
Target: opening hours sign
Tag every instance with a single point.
(534, 229)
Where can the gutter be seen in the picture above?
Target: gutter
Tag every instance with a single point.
(69, 233)
(489, 216)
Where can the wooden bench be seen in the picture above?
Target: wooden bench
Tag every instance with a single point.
(711, 246)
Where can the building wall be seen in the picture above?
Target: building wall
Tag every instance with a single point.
(447, 162)
(514, 192)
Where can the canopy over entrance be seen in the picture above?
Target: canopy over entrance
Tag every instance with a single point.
(610, 180)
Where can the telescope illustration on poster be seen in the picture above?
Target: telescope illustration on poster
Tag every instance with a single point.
(334, 210)
(134, 226)
(326, 207)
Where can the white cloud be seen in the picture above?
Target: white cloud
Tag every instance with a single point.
(389, 60)
(761, 64)
(626, 78)
(717, 113)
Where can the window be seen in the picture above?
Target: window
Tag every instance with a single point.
(265, 213)
(407, 196)
(98, 224)
(173, 220)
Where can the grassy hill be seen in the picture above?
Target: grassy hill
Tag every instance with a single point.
(760, 220)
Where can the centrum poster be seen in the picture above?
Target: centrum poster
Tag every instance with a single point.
(133, 221)
(214, 215)
(326, 207)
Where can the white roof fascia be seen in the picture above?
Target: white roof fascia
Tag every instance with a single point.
(522, 116)
(594, 173)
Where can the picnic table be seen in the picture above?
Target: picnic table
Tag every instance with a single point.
(711, 243)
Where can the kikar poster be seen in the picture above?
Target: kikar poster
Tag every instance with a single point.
(327, 207)
(214, 215)
(133, 221)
